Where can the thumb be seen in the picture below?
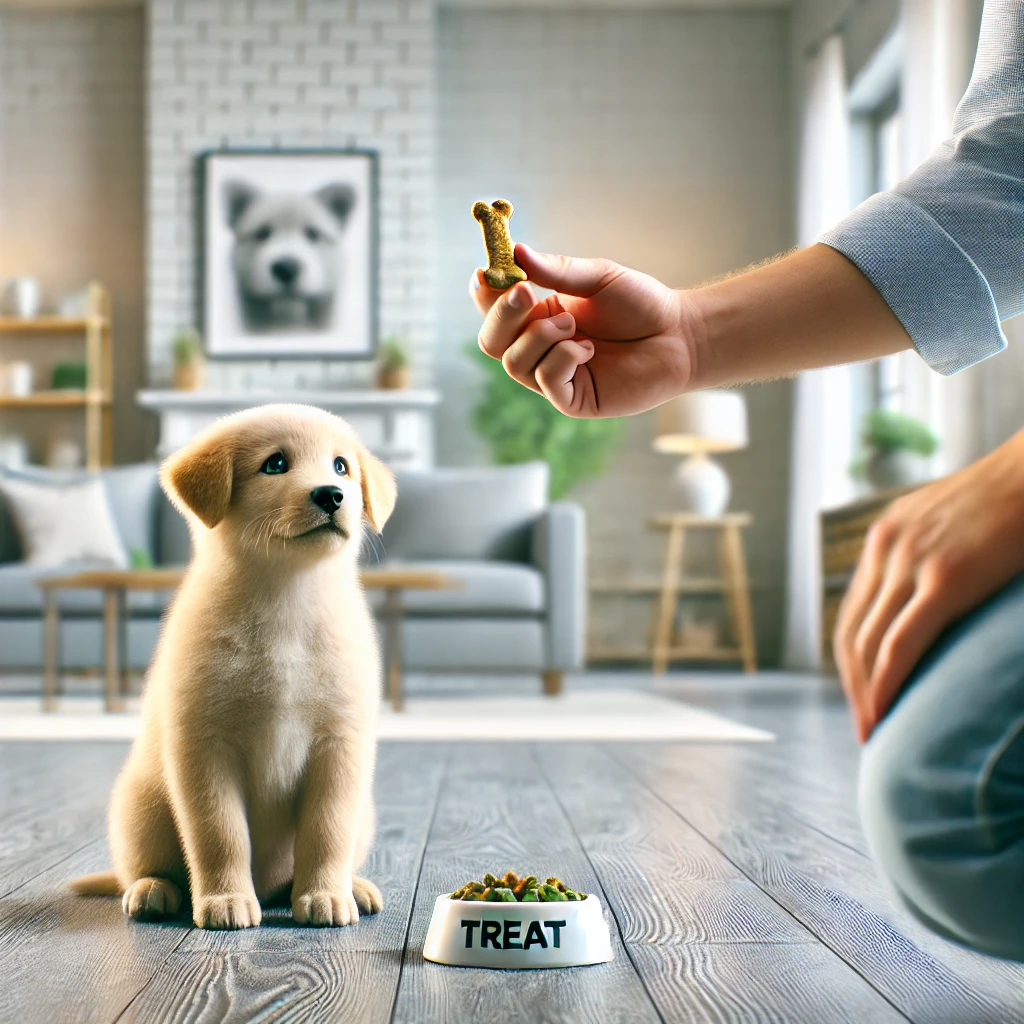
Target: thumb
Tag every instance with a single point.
(567, 274)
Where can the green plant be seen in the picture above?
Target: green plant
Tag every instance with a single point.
(520, 425)
(186, 346)
(140, 558)
(883, 432)
(392, 354)
(69, 375)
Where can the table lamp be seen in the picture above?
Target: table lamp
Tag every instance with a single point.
(695, 425)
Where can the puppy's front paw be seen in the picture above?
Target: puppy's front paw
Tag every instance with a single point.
(325, 908)
(227, 910)
(367, 896)
(149, 898)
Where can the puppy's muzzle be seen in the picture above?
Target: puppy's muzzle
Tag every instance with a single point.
(327, 498)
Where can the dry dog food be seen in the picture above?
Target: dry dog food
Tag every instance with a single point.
(502, 271)
(510, 888)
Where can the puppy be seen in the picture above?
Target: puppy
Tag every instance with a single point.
(252, 774)
(285, 254)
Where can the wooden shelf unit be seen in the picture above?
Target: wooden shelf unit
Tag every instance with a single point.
(97, 397)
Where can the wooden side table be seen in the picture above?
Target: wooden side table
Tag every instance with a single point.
(734, 585)
(115, 583)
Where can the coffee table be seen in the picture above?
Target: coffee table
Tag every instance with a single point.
(115, 584)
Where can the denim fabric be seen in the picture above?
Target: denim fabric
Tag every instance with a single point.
(942, 782)
(945, 248)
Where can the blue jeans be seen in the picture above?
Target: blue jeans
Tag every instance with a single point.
(942, 782)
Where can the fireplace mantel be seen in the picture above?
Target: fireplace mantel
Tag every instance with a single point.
(397, 426)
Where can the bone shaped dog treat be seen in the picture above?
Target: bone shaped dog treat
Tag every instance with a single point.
(501, 272)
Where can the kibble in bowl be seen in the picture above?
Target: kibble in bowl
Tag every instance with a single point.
(510, 888)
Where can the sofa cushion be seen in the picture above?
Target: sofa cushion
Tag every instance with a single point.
(19, 594)
(133, 493)
(64, 523)
(467, 513)
(485, 588)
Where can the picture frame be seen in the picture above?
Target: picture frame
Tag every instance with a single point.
(288, 258)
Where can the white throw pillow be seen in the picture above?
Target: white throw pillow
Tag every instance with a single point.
(66, 522)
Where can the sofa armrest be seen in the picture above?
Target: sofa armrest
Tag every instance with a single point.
(559, 550)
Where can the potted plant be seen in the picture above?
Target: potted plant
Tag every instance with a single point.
(520, 426)
(895, 449)
(189, 363)
(392, 365)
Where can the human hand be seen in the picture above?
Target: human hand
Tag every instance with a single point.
(610, 341)
(931, 557)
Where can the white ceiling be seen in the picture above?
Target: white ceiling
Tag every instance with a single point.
(65, 5)
(582, 5)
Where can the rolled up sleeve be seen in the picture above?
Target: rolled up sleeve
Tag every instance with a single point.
(945, 248)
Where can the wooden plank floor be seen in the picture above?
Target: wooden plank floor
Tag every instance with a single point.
(735, 878)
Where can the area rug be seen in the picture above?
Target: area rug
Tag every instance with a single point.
(603, 715)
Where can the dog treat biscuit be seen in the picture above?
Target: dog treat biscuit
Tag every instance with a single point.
(501, 272)
(510, 888)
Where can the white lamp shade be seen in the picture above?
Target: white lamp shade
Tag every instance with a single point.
(701, 421)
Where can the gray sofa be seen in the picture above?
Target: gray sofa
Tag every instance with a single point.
(520, 560)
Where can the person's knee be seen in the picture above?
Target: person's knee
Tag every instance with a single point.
(925, 794)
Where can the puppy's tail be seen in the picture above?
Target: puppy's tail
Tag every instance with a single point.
(102, 883)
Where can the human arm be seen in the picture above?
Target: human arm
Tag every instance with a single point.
(945, 247)
(933, 555)
(611, 341)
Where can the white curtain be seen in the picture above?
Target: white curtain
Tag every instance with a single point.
(822, 444)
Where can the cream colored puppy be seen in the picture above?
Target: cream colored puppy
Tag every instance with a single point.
(253, 770)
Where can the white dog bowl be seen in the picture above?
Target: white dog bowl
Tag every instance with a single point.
(471, 933)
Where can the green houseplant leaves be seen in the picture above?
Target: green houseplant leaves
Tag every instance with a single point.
(519, 425)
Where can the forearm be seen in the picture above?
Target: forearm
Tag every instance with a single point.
(810, 309)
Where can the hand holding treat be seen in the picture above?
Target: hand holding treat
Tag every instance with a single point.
(610, 342)
(501, 272)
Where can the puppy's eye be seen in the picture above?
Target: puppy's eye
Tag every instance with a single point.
(340, 466)
(277, 463)
(313, 234)
(263, 233)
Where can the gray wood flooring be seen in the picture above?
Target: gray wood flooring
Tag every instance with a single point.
(736, 880)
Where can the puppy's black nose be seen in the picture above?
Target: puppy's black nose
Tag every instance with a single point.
(286, 270)
(328, 498)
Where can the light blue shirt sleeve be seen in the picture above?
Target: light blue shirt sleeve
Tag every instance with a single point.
(945, 247)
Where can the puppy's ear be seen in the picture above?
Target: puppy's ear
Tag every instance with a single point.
(238, 197)
(379, 490)
(198, 478)
(339, 199)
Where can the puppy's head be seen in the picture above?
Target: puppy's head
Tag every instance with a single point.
(286, 245)
(281, 481)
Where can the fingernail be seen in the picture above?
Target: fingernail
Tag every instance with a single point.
(563, 321)
(475, 280)
(517, 297)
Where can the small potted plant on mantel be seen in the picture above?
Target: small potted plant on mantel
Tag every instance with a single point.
(189, 363)
(895, 449)
(392, 365)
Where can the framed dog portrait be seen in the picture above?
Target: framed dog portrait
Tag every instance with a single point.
(289, 253)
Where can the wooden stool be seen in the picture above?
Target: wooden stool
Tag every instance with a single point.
(733, 583)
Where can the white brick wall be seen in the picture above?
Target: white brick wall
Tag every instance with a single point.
(656, 138)
(339, 73)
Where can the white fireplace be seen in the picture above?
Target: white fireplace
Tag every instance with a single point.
(397, 426)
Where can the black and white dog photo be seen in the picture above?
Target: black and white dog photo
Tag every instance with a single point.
(285, 254)
(289, 253)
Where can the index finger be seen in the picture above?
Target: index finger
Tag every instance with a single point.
(482, 294)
